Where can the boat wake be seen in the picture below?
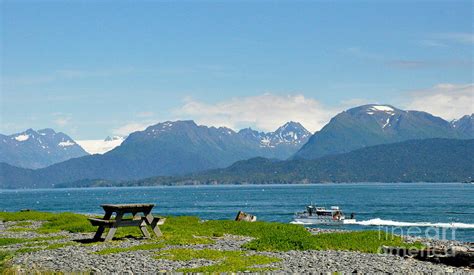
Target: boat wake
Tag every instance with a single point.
(381, 222)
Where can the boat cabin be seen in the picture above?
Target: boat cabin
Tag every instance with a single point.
(334, 212)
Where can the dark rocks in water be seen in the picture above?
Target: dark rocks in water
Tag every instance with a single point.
(242, 216)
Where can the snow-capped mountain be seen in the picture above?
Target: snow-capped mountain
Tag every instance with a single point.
(38, 149)
(99, 146)
(289, 136)
(173, 148)
(464, 125)
(375, 124)
(292, 135)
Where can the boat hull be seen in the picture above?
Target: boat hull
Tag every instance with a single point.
(318, 221)
(323, 221)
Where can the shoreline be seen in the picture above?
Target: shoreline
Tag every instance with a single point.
(65, 254)
(224, 185)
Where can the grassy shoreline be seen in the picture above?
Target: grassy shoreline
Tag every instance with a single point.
(184, 231)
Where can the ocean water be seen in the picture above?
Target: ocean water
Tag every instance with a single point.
(439, 210)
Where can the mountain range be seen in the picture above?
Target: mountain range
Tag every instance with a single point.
(373, 124)
(176, 148)
(168, 148)
(425, 160)
(38, 149)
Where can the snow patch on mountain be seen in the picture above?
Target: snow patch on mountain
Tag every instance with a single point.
(38, 149)
(382, 108)
(66, 143)
(22, 137)
(292, 133)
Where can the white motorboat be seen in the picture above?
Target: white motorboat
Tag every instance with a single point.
(320, 215)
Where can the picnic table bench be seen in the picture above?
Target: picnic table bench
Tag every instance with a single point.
(141, 217)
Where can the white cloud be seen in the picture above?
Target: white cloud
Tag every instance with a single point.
(449, 101)
(459, 37)
(265, 112)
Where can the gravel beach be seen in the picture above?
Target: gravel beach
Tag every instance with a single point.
(78, 257)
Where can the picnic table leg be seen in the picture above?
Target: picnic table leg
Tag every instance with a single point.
(101, 228)
(144, 231)
(156, 228)
(137, 216)
(153, 223)
(113, 228)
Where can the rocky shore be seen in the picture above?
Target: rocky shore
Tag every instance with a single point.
(77, 257)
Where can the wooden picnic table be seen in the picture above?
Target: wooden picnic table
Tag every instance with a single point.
(141, 217)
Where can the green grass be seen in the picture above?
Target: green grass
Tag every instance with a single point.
(10, 241)
(267, 236)
(4, 257)
(227, 261)
(67, 222)
(38, 243)
(23, 223)
(190, 230)
(55, 222)
(281, 237)
(27, 250)
(26, 216)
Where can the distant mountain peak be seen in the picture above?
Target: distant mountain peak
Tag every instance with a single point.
(46, 131)
(291, 125)
(374, 109)
(464, 125)
(291, 132)
(381, 108)
(112, 138)
(173, 124)
(374, 124)
(37, 149)
(226, 131)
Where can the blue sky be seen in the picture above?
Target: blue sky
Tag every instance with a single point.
(93, 69)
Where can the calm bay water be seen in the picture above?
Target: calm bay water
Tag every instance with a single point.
(388, 204)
